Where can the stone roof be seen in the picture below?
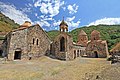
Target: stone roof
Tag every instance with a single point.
(25, 25)
(63, 23)
(95, 32)
(20, 28)
(116, 48)
(82, 33)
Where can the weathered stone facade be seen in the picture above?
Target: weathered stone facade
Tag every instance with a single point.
(26, 41)
(96, 47)
(63, 46)
(115, 50)
(82, 39)
(31, 41)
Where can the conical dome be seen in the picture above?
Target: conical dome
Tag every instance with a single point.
(26, 24)
(82, 33)
(95, 32)
(63, 23)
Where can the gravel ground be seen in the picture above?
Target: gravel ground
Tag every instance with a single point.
(46, 68)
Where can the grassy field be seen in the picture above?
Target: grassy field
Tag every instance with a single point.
(46, 68)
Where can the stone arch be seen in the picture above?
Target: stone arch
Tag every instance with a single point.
(62, 44)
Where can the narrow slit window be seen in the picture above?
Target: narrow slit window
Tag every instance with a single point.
(33, 40)
(37, 42)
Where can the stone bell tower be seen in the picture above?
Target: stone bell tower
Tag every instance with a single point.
(63, 26)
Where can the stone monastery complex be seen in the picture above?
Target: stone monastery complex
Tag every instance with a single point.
(31, 41)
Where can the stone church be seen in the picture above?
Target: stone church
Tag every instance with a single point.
(64, 48)
(32, 41)
(26, 41)
(96, 47)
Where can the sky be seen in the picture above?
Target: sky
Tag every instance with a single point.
(49, 13)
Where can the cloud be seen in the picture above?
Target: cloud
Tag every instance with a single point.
(11, 11)
(43, 8)
(56, 23)
(72, 8)
(42, 23)
(70, 21)
(73, 25)
(50, 7)
(107, 21)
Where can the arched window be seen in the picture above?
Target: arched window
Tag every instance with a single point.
(62, 44)
(74, 54)
(77, 53)
(37, 42)
(33, 40)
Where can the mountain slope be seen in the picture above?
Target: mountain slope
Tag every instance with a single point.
(6, 24)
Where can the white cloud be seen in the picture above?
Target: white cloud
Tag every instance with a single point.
(107, 21)
(42, 23)
(73, 25)
(70, 19)
(43, 8)
(11, 11)
(50, 7)
(72, 8)
(56, 23)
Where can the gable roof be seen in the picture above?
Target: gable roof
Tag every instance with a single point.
(116, 48)
(82, 33)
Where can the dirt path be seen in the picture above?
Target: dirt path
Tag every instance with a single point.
(51, 69)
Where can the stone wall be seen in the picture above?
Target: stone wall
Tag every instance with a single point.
(67, 54)
(38, 41)
(22, 40)
(97, 49)
(18, 41)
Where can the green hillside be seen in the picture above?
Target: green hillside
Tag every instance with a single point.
(111, 33)
(52, 34)
(6, 24)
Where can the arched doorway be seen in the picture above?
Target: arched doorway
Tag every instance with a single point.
(62, 44)
(96, 54)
